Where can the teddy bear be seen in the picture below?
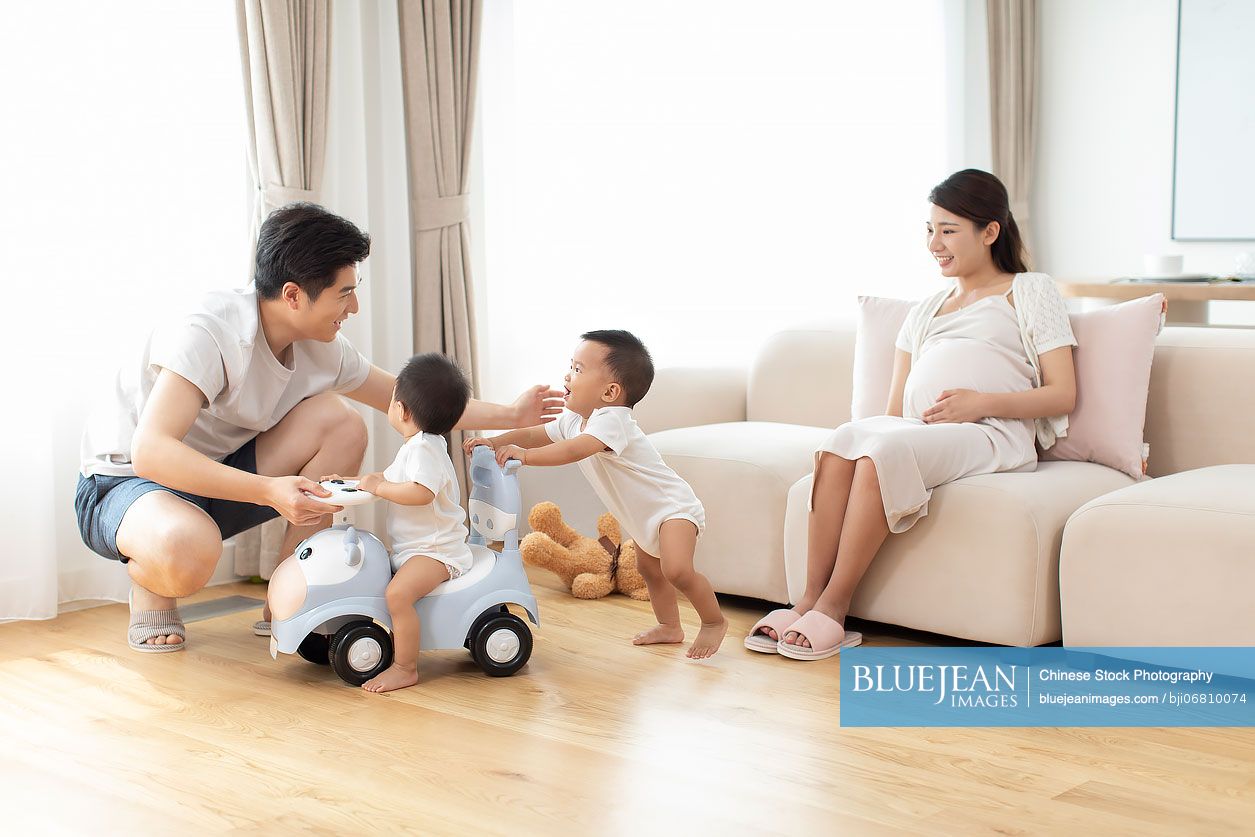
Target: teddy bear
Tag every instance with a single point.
(590, 568)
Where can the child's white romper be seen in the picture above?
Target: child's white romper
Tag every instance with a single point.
(438, 529)
(631, 479)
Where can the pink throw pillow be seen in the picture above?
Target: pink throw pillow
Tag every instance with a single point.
(879, 320)
(1115, 346)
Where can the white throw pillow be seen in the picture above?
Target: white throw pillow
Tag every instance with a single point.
(1115, 347)
(879, 321)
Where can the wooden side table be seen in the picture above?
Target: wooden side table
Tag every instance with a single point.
(1187, 301)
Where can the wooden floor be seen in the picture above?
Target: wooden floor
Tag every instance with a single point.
(593, 736)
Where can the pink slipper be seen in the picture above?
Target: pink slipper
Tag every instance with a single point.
(777, 620)
(825, 635)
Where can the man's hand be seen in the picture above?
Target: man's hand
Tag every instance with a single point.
(511, 452)
(288, 496)
(537, 405)
(369, 482)
(470, 444)
(955, 406)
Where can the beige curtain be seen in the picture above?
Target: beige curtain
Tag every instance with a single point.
(1013, 99)
(439, 58)
(285, 48)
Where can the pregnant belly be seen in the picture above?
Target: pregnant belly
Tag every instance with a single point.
(961, 364)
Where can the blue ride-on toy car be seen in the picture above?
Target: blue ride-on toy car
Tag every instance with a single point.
(327, 599)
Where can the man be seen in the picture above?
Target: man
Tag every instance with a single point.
(229, 416)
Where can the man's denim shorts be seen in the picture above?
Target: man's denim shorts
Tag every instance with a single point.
(101, 502)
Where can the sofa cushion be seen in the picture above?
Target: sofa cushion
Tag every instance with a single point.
(982, 565)
(1168, 561)
(741, 471)
(1115, 345)
(879, 321)
(1202, 397)
(803, 376)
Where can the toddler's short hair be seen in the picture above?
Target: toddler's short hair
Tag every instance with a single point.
(628, 359)
(434, 391)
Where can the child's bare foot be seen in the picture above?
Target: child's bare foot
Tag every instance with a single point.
(659, 634)
(708, 640)
(395, 677)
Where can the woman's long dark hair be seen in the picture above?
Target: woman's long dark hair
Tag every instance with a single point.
(980, 197)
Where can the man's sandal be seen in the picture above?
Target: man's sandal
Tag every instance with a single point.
(148, 624)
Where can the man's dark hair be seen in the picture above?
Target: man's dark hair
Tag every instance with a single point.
(434, 391)
(305, 244)
(628, 359)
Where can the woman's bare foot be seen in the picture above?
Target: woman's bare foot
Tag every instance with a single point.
(768, 631)
(659, 634)
(708, 640)
(794, 638)
(800, 609)
(142, 600)
(395, 677)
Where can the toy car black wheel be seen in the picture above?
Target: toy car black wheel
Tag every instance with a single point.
(316, 648)
(501, 645)
(359, 651)
(480, 621)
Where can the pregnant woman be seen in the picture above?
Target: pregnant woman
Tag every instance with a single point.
(983, 369)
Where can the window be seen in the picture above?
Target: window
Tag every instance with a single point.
(125, 198)
(702, 173)
(129, 162)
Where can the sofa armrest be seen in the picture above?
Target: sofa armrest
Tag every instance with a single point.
(690, 396)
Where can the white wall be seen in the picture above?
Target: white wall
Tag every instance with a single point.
(1103, 194)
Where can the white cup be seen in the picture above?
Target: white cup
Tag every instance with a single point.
(1162, 265)
(1244, 265)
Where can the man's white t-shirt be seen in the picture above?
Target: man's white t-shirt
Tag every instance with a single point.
(221, 349)
(438, 529)
(631, 479)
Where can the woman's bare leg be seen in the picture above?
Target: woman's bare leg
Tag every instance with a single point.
(863, 531)
(829, 496)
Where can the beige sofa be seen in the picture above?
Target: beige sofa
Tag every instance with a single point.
(1171, 561)
(984, 563)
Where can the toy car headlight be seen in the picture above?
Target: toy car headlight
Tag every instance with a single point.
(287, 590)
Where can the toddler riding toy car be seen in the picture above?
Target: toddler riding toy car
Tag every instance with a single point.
(327, 599)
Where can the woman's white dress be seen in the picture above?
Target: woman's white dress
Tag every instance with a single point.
(978, 348)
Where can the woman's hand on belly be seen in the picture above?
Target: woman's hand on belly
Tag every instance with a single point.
(957, 405)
